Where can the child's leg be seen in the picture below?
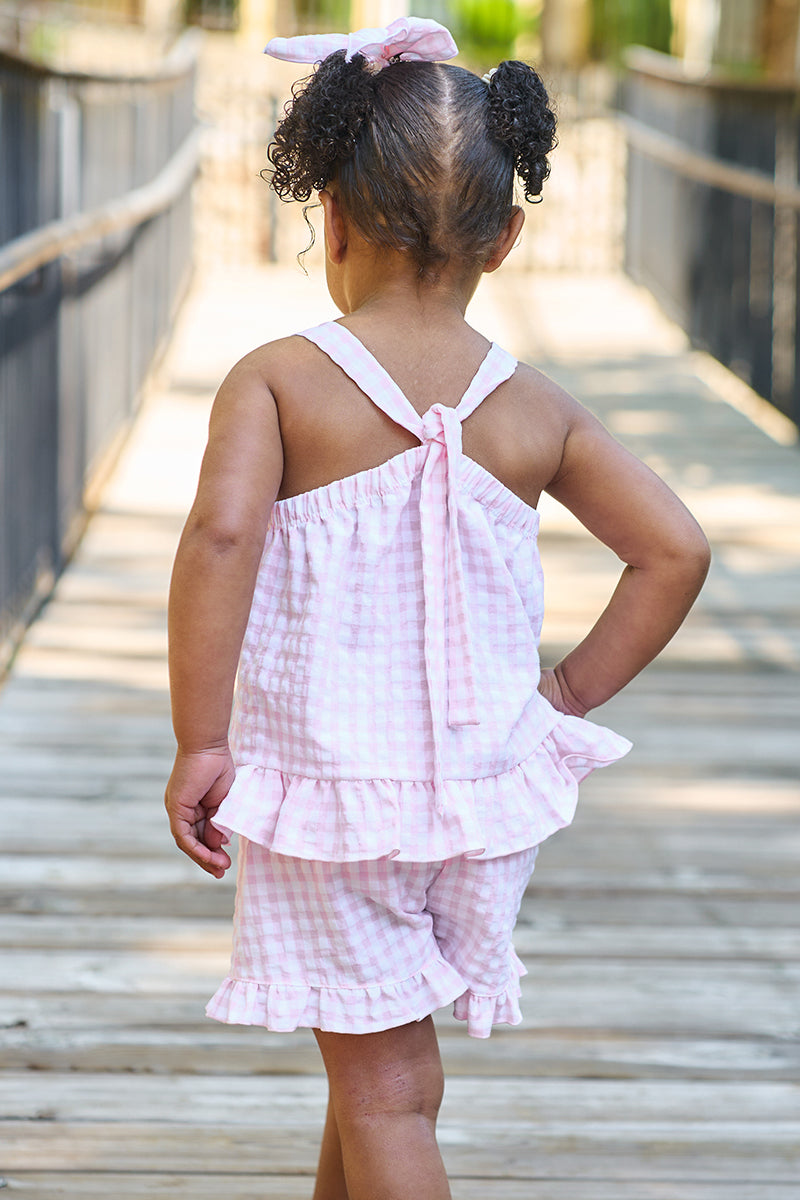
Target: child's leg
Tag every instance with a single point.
(330, 1182)
(386, 1089)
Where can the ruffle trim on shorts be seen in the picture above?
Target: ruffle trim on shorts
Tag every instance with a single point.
(482, 1012)
(284, 1007)
(352, 820)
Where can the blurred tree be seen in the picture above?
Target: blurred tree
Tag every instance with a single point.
(616, 24)
(213, 14)
(322, 16)
(485, 30)
(752, 37)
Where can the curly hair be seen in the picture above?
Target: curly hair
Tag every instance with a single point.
(422, 155)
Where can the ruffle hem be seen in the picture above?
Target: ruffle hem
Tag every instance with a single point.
(352, 820)
(283, 1007)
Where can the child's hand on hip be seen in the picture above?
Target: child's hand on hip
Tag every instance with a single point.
(553, 687)
(199, 783)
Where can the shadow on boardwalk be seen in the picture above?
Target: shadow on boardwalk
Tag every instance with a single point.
(658, 1057)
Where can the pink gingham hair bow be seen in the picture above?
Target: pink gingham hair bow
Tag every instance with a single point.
(414, 38)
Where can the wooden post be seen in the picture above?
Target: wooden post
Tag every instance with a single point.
(368, 13)
(780, 31)
(258, 20)
(161, 16)
(565, 33)
(695, 31)
(784, 293)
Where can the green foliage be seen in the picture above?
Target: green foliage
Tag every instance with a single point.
(44, 42)
(322, 16)
(620, 23)
(485, 30)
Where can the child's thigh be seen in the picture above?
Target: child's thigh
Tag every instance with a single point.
(474, 904)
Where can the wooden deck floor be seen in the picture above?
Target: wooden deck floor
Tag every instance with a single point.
(659, 1052)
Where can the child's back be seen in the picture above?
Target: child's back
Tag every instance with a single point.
(330, 430)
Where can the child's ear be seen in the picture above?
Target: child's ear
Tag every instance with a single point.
(335, 226)
(506, 239)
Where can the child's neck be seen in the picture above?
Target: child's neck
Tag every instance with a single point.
(389, 289)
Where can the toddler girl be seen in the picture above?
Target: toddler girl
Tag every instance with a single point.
(363, 547)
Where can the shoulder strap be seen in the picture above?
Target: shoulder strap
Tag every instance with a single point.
(496, 368)
(344, 348)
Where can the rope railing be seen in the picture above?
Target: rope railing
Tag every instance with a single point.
(707, 169)
(95, 216)
(28, 253)
(177, 63)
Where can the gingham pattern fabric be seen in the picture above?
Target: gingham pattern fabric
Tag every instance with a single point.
(447, 639)
(360, 947)
(387, 701)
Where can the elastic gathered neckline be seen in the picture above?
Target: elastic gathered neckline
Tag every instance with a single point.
(374, 484)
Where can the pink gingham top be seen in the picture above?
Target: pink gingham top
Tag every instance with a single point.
(387, 701)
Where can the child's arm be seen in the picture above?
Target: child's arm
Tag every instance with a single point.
(625, 505)
(210, 597)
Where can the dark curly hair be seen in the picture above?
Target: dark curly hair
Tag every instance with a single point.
(422, 155)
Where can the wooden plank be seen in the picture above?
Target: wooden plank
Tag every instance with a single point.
(664, 1150)
(689, 997)
(89, 873)
(37, 698)
(77, 873)
(727, 998)
(536, 936)
(641, 797)
(271, 1186)
(696, 841)
(291, 1101)
(104, 932)
(567, 907)
(124, 675)
(734, 858)
(207, 1048)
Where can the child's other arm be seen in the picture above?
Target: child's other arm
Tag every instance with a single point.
(624, 504)
(210, 596)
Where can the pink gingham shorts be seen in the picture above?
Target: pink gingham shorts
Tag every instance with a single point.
(364, 946)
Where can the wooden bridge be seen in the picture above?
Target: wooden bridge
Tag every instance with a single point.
(659, 1055)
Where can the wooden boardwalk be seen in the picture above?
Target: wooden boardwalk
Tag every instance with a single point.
(659, 1053)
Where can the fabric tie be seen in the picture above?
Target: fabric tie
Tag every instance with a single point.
(448, 638)
(447, 635)
(416, 39)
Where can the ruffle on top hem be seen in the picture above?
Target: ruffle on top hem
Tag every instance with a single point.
(284, 1007)
(352, 820)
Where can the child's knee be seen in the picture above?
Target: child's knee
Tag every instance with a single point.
(406, 1093)
(395, 1073)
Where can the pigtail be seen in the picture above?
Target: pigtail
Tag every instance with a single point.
(521, 119)
(320, 127)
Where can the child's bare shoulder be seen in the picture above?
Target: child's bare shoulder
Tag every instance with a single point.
(279, 361)
(544, 410)
(520, 432)
(548, 399)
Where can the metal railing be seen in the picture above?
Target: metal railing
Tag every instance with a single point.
(713, 207)
(95, 250)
